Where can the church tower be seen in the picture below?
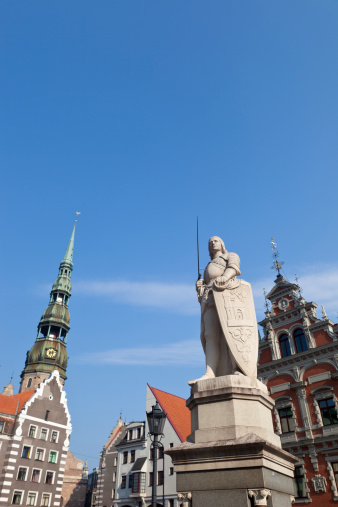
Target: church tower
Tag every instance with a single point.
(49, 351)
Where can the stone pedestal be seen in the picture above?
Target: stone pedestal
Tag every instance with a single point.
(232, 457)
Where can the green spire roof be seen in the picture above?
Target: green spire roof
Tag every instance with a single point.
(70, 248)
(49, 350)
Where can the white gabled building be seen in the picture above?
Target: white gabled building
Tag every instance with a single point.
(133, 481)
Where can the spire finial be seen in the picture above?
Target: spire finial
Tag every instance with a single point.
(300, 290)
(324, 315)
(277, 265)
(266, 304)
(70, 248)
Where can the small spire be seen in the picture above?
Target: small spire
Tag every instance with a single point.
(85, 470)
(324, 315)
(266, 304)
(300, 290)
(8, 389)
(277, 265)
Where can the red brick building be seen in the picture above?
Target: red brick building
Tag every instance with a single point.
(298, 360)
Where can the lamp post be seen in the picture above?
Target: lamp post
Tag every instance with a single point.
(156, 419)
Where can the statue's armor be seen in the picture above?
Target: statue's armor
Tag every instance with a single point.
(216, 268)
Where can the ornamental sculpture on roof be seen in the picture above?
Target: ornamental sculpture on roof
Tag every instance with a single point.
(229, 332)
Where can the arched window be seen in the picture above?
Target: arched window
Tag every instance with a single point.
(284, 345)
(300, 340)
(29, 383)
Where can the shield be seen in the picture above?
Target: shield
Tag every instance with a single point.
(236, 312)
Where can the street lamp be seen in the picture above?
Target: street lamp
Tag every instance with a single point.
(156, 419)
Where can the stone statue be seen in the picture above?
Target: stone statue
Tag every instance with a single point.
(229, 332)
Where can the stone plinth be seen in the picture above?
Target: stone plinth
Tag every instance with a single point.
(232, 456)
(230, 407)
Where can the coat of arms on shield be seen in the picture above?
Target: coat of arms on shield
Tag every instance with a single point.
(236, 311)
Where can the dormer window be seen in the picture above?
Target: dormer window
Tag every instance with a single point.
(284, 345)
(300, 340)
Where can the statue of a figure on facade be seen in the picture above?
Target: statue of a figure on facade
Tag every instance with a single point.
(229, 332)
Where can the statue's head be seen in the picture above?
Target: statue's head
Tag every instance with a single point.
(212, 241)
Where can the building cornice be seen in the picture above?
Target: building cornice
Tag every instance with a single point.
(298, 358)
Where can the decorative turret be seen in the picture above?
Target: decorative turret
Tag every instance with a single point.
(49, 351)
(8, 389)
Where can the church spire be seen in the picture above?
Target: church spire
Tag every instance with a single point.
(49, 351)
(68, 258)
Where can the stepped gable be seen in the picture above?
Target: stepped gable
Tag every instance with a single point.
(112, 437)
(177, 412)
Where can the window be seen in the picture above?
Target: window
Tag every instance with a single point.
(115, 461)
(136, 483)
(300, 340)
(138, 433)
(17, 498)
(29, 383)
(171, 445)
(2, 426)
(113, 494)
(123, 481)
(171, 471)
(49, 478)
(171, 502)
(132, 456)
(55, 437)
(130, 434)
(284, 345)
(286, 420)
(150, 478)
(160, 453)
(52, 457)
(335, 471)
(32, 431)
(160, 478)
(47, 415)
(114, 476)
(22, 473)
(139, 482)
(26, 451)
(39, 455)
(299, 482)
(36, 475)
(328, 411)
(45, 500)
(130, 481)
(125, 457)
(152, 453)
(43, 434)
(31, 499)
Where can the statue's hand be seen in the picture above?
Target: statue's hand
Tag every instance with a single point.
(221, 282)
(199, 284)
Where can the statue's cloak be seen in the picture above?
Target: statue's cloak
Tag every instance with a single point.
(236, 312)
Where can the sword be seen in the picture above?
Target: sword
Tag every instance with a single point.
(198, 254)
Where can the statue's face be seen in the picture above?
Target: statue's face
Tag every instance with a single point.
(215, 245)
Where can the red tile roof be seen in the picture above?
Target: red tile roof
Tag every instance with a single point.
(177, 412)
(9, 404)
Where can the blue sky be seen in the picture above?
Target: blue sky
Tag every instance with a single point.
(143, 115)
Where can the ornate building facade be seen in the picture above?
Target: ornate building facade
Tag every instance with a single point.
(298, 360)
